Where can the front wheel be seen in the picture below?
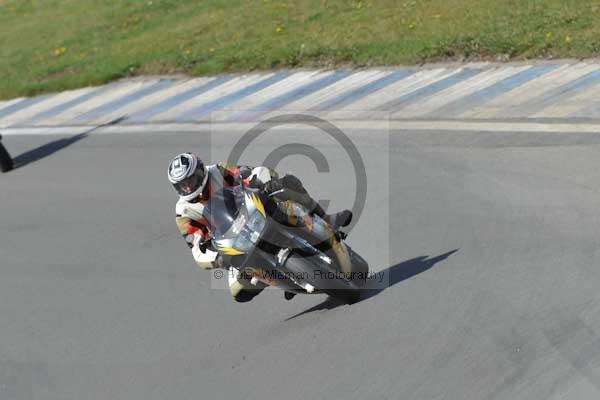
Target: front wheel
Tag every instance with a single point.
(348, 296)
(323, 277)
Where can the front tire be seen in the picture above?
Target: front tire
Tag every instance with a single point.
(312, 271)
(348, 296)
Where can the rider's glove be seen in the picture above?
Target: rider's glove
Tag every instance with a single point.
(204, 244)
(272, 186)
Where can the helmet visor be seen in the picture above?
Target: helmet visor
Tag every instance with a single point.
(188, 185)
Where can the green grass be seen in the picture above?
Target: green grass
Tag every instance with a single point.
(52, 45)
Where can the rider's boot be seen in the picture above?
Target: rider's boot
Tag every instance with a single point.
(294, 190)
(337, 220)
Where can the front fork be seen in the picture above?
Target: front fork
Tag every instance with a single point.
(284, 282)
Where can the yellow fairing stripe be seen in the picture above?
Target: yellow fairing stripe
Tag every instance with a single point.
(258, 204)
(230, 251)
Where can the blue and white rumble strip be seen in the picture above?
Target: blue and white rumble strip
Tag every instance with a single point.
(473, 92)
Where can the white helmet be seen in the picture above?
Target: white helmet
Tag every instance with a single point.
(187, 175)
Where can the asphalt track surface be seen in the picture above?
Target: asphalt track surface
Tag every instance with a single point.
(490, 248)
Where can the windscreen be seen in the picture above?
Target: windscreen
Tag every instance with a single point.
(223, 208)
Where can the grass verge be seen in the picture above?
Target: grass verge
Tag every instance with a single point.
(53, 45)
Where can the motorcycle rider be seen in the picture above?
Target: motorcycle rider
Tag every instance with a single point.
(6, 162)
(195, 184)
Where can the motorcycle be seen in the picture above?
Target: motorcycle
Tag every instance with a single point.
(281, 244)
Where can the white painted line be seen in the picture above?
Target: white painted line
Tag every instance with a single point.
(67, 130)
(203, 128)
(433, 126)
(475, 126)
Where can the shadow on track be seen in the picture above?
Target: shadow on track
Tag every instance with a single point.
(403, 271)
(395, 274)
(46, 150)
